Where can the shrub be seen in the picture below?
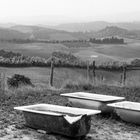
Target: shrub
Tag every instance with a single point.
(16, 80)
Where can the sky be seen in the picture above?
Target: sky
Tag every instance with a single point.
(53, 12)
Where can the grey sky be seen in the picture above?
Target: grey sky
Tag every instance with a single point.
(60, 11)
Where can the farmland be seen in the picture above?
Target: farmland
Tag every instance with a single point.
(109, 52)
(83, 50)
(69, 80)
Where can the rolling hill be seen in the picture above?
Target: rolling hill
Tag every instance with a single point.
(42, 33)
(81, 49)
(116, 31)
(45, 33)
(12, 34)
(82, 27)
(36, 32)
(96, 26)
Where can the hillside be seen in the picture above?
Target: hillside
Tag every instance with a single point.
(116, 31)
(37, 32)
(42, 33)
(76, 27)
(6, 33)
(96, 26)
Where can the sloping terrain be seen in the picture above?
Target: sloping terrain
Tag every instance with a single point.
(42, 33)
(96, 26)
(110, 31)
(76, 27)
(122, 51)
(37, 32)
(12, 34)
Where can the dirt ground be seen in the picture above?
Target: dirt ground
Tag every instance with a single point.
(12, 123)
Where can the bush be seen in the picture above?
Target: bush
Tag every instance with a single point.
(16, 80)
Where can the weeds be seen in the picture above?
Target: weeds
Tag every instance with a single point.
(131, 93)
(86, 84)
(16, 80)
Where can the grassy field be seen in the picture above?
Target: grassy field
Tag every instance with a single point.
(33, 49)
(63, 75)
(83, 50)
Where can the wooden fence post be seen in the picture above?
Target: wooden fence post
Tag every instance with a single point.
(102, 78)
(52, 71)
(94, 74)
(88, 70)
(2, 83)
(124, 75)
(121, 79)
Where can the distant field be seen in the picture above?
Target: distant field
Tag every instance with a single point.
(77, 44)
(123, 51)
(85, 54)
(34, 49)
(61, 75)
(83, 50)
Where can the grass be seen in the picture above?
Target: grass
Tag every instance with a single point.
(129, 91)
(34, 49)
(76, 75)
(76, 44)
(102, 127)
(76, 85)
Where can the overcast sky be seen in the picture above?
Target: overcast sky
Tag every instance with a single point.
(63, 11)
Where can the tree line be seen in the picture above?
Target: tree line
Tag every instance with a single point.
(112, 40)
(22, 41)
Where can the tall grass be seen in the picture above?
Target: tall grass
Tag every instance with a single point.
(40, 93)
(131, 93)
(133, 81)
(84, 83)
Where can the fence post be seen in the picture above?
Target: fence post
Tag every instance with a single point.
(102, 78)
(88, 70)
(121, 79)
(52, 71)
(2, 83)
(94, 74)
(124, 75)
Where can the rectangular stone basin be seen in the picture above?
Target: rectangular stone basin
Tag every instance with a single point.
(69, 121)
(92, 101)
(128, 111)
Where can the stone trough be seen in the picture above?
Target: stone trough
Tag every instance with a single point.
(128, 111)
(92, 101)
(73, 122)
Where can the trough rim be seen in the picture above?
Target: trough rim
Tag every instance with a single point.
(73, 95)
(119, 105)
(28, 109)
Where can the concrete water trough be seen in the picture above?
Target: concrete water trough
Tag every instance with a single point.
(73, 122)
(128, 111)
(92, 101)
